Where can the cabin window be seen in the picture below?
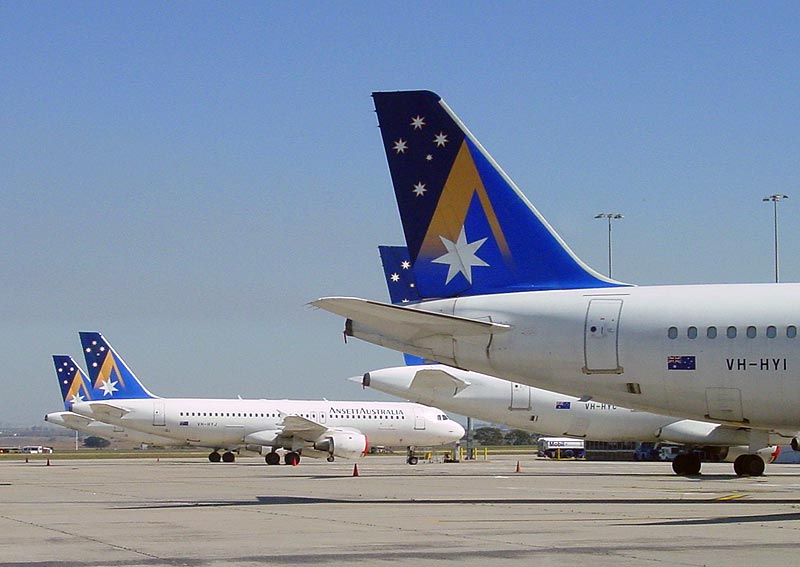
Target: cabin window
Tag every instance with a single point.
(691, 332)
(772, 332)
(711, 332)
(751, 332)
(672, 332)
(791, 331)
(731, 333)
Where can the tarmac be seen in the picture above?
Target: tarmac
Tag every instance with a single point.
(153, 512)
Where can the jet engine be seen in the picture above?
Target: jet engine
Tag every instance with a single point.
(345, 444)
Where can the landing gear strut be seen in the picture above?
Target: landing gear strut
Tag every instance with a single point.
(411, 458)
(748, 465)
(686, 464)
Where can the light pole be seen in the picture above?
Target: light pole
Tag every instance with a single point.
(775, 198)
(610, 217)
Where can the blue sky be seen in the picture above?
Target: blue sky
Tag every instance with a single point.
(185, 177)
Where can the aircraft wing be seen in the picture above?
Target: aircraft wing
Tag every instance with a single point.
(296, 426)
(429, 379)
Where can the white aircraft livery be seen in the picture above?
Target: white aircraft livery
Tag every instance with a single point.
(549, 413)
(302, 427)
(75, 386)
(502, 294)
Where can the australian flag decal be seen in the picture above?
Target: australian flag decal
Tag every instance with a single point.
(562, 405)
(681, 363)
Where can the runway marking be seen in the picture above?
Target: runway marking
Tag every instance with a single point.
(731, 497)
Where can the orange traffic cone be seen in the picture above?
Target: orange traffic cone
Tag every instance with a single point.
(158, 459)
(355, 469)
(26, 459)
(48, 461)
(518, 468)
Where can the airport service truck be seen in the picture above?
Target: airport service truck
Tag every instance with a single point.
(561, 448)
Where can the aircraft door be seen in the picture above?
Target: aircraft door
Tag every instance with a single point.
(600, 342)
(419, 419)
(158, 413)
(520, 397)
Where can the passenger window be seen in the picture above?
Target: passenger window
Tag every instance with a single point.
(751, 332)
(691, 332)
(731, 332)
(672, 332)
(711, 332)
(791, 331)
(772, 332)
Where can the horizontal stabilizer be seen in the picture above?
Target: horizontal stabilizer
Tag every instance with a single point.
(406, 324)
(111, 410)
(71, 419)
(431, 380)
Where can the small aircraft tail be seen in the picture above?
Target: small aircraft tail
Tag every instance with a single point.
(469, 229)
(75, 385)
(109, 375)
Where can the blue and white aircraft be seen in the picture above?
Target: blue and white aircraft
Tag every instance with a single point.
(520, 406)
(75, 387)
(504, 295)
(301, 427)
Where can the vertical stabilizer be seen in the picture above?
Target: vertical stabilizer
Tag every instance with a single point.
(469, 229)
(74, 384)
(110, 377)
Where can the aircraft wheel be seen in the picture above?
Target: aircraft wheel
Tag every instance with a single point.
(738, 465)
(214, 457)
(686, 464)
(331, 459)
(678, 464)
(228, 457)
(412, 460)
(751, 465)
(272, 458)
(693, 464)
(291, 458)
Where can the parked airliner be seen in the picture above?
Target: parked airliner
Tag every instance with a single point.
(524, 407)
(504, 295)
(302, 427)
(75, 386)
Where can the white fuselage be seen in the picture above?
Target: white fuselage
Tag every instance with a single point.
(83, 424)
(615, 345)
(234, 423)
(495, 400)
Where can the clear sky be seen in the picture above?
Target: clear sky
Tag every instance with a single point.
(184, 177)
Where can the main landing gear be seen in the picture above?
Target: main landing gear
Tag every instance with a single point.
(272, 458)
(686, 464)
(748, 465)
(226, 457)
(292, 458)
(411, 458)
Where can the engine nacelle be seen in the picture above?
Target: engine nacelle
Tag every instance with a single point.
(345, 444)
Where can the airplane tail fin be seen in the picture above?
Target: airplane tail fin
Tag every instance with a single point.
(401, 283)
(469, 229)
(75, 385)
(109, 375)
